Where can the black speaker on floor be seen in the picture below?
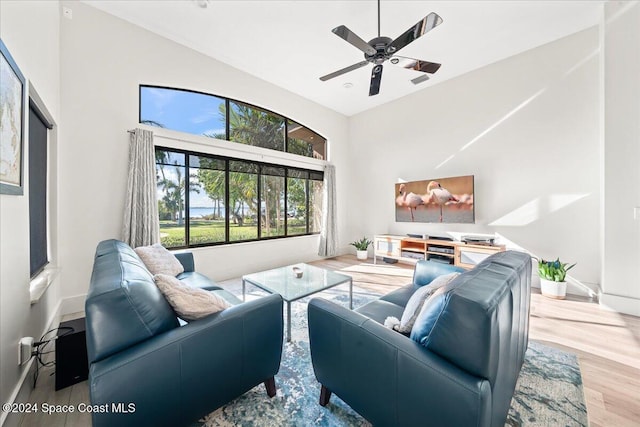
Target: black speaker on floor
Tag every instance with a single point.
(71, 353)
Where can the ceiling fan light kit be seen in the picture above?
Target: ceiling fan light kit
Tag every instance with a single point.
(381, 49)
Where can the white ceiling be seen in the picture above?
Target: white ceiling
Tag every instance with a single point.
(290, 43)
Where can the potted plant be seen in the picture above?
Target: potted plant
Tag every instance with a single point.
(361, 246)
(552, 275)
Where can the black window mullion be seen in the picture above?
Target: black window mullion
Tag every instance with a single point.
(286, 135)
(187, 183)
(307, 202)
(259, 214)
(227, 131)
(226, 202)
(286, 201)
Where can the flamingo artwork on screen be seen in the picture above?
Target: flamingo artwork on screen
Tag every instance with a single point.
(447, 200)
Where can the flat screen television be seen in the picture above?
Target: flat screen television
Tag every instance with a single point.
(446, 200)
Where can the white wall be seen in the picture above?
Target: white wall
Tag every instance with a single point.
(621, 45)
(104, 59)
(525, 127)
(30, 30)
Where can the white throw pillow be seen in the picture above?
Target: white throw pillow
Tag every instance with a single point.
(159, 260)
(188, 302)
(415, 303)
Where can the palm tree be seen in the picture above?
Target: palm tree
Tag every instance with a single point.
(212, 181)
(251, 126)
(174, 193)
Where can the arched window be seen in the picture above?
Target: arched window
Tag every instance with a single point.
(222, 118)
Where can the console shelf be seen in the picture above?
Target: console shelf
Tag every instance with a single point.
(410, 250)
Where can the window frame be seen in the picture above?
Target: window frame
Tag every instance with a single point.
(227, 159)
(227, 102)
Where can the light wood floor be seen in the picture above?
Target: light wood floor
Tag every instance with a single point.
(607, 345)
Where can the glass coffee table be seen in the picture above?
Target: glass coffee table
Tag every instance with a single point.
(283, 281)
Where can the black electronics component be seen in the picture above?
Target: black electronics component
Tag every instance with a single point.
(71, 354)
(435, 237)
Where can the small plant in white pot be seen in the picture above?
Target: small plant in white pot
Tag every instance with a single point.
(362, 247)
(552, 278)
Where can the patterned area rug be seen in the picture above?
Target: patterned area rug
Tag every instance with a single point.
(549, 390)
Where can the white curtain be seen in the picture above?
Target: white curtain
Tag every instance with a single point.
(329, 234)
(141, 226)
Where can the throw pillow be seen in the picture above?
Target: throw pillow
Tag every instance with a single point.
(430, 312)
(417, 300)
(159, 260)
(188, 302)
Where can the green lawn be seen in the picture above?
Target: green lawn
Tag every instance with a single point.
(211, 231)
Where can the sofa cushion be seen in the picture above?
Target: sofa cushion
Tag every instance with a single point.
(125, 305)
(379, 310)
(227, 296)
(188, 302)
(400, 296)
(426, 271)
(197, 280)
(159, 260)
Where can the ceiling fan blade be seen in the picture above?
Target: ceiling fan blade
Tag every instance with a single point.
(343, 71)
(376, 77)
(351, 37)
(425, 25)
(420, 79)
(415, 64)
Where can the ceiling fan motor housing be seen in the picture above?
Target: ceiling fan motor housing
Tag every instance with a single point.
(380, 45)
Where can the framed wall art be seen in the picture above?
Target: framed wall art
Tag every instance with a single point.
(447, 200)
(12, 106)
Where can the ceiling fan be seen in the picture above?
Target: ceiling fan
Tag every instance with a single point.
(380, 49)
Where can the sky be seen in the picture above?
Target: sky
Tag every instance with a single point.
(184, 111)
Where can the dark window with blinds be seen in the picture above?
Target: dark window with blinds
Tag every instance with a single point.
(38, 129)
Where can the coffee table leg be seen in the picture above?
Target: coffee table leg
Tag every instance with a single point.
(243, 290)
(288, 321)
(351, 294)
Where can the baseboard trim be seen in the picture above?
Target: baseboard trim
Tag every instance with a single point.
(620, 304)
(23, 388)
(74, 304)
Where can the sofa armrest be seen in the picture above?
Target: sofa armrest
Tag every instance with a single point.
(178, 376)
(387, 377)
(186, 259)
(426, 271)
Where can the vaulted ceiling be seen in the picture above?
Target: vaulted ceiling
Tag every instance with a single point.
(290, 43)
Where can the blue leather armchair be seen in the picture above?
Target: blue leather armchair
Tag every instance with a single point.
(173, 375)
(464, 374)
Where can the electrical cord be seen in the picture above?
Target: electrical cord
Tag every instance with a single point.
(40, 347)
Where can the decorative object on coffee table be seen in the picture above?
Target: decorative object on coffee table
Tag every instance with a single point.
(298, 272)
(362, 247)
(552, 278)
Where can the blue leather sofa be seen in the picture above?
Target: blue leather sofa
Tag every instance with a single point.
(463, 374)
(171, 374)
